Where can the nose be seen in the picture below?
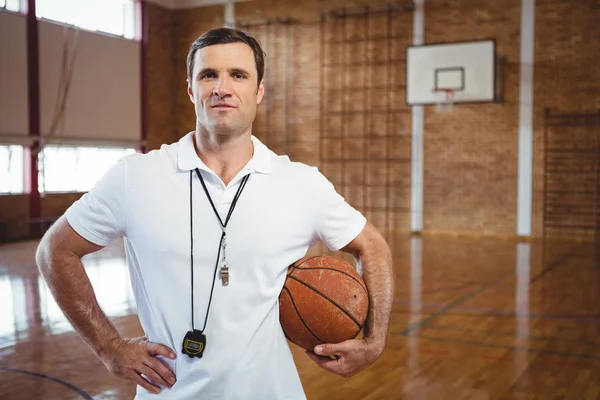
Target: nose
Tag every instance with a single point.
(222, 87)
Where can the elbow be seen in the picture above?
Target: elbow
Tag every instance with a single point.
(42, 255)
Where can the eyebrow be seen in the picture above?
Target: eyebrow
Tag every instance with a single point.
(233, 71)
(206, 71)
(240, 71)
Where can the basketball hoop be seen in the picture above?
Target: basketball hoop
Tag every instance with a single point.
(445, 100)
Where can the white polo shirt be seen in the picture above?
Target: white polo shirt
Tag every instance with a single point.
(285, 208)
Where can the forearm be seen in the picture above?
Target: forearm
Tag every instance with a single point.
(378, 274)
(74, 294)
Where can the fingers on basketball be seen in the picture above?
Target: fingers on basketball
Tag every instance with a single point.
(332, 349)
(335, 365)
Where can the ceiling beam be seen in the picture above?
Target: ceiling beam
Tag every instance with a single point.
(181, 4)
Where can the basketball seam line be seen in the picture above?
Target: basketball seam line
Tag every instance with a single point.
(300, 316)
(294, 266)
(336, 270)
(308, 259)
(328, 299)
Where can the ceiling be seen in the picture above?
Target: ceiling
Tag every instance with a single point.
(176, 4)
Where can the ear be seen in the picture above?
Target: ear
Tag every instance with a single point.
(260, 92)
(190, 92)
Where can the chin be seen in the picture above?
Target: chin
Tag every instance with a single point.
(222, 128)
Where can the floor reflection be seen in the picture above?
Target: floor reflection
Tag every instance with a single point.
(416, 283)
(522, 289)
(29, 309)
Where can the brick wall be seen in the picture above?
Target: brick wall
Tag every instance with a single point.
(161, 76)
(471, 155)
(567, 78)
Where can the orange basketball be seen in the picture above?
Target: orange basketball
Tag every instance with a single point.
(324, 300)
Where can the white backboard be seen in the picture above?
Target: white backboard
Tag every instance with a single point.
(466, 67)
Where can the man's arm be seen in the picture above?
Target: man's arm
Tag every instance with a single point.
(59, 260)
(378, 272)
(352, 356)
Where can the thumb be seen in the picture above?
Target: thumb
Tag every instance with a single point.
(328, 349)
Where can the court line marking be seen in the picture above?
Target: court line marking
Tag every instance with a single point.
(512, 334)
(74, 388)
(456, 288)
(513, 348)
(506, 313)
(456, 302)
(503, 358)
(552, 266)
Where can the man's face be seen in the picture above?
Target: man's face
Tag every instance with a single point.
(224, 87)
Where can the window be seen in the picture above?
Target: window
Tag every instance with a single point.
(116, 17)
(11, 169)
(10, 5)
(75, 169)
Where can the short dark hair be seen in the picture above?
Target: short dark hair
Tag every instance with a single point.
(225, 36)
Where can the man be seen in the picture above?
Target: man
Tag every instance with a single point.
(210, 224)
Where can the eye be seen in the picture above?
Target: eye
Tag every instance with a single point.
(239, 76)
(208, 75)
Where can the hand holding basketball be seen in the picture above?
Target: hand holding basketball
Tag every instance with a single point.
(323, 307)
(324, 300)
(346, 358)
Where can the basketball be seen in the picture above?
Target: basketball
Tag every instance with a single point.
(323, 300)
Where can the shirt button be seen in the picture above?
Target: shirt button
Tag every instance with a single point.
(220, 186)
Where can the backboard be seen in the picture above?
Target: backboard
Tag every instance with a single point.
(465, 68)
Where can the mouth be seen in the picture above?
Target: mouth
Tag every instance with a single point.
(222, 106)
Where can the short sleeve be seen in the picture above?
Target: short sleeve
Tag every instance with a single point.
(337, 222)
(99, 215)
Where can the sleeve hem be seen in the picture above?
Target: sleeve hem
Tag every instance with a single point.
(84, 232)
(349, 235)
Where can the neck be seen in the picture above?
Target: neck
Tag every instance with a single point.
(225, 155)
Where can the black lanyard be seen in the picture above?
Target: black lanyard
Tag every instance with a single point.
(221, 242)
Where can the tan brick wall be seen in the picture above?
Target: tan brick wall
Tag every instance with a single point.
(161, 76)
(471, 155)
(567, 76)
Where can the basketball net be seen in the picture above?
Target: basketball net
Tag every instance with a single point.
(445, 101)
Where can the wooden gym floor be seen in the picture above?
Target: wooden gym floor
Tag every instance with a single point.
(473, 319)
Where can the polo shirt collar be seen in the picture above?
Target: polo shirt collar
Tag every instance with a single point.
(187, 159)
